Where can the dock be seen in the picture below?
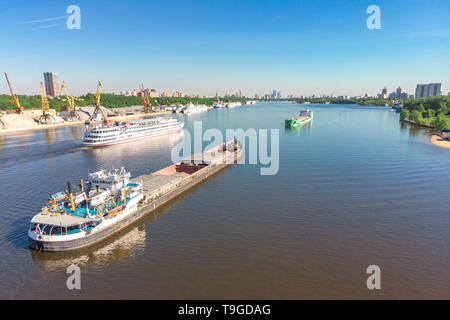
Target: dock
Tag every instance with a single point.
(24, 122)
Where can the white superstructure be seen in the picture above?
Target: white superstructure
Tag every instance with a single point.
(178, 109)
(108, 199)
(192, 108)
(233, 104)
(122, 132)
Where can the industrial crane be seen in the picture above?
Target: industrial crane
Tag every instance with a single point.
(98, 112)
(147, 105)
(16, 101)
(70, 195)
(46, 117)
(71, 100)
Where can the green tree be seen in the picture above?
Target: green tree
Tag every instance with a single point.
(404, 114)
(441, 123)
(417, 117)
(430, 113)
(422, 110)
(443, 106)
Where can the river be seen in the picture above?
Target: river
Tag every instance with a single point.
(355, 187)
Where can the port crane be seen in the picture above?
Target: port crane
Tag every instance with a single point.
(46, 117)
(98, 112)
(145, 100)
(16, 101)
(71, 100)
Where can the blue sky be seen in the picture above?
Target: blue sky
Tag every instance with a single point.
(300, 47)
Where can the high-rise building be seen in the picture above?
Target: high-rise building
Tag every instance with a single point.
(178, 94)
(434, 89)
(52, 87)
(276, 94)
(428, 90)
(421, 90)
(403, 96)
(393, 96)
(384, 93)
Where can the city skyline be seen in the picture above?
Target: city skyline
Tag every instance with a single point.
(52, 89)
(285, 45)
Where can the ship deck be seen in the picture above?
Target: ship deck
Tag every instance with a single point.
(157, 184)
(61, 220)
(301, 118)
(163, 181)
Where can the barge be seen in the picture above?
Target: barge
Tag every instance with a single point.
(304, 117)
(111, 200)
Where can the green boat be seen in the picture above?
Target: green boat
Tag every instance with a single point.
(304, 117)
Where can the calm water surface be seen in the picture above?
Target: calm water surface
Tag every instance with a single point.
(355, 188)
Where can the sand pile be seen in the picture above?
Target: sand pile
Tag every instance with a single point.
(86, 112)
(18, 121)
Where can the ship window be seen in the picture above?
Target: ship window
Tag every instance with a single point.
(73, 228)
(46, 229)
(55, 230)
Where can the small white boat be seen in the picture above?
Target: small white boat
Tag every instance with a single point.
(191, 108)
(233, 104)
(202, 107)
(178, 109)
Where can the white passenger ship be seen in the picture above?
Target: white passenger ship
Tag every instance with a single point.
(121, 132)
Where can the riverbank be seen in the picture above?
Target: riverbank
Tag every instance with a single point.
(29, 123)
(425, 125)
(41, 127)
(439, 141)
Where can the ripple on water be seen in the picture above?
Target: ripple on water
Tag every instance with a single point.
(353, 187)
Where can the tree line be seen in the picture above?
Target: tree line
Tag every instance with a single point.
(361, 101)
(107, 100)
(434, 111)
